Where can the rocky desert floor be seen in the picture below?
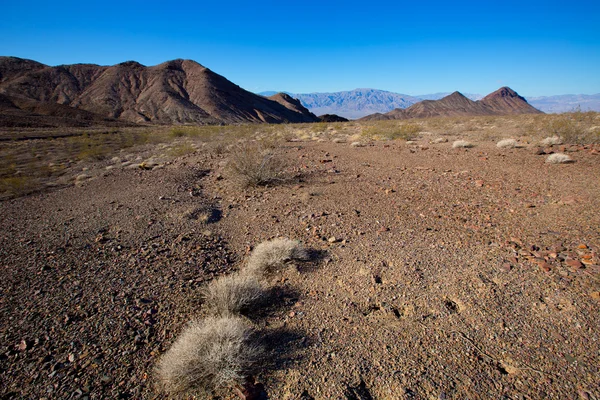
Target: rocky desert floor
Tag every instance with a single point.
(438, 273)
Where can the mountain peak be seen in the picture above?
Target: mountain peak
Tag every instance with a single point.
(504, 91)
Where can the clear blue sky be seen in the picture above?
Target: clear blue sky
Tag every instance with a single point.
(417, 47)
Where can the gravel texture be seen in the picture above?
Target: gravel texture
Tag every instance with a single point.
(436, 273)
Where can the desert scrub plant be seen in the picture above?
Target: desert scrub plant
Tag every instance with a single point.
(558, 158)
(462, 144)
(551, 141)
(268, 256)
(574, 128)
(507, 144)
(233, 294)
(209, 355)
(253, 164)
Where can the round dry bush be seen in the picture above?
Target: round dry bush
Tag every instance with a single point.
(254, 164)
(233, 294)
(208, 355)
(273, 254)
(551, 141)
(462, 144)
(559, 158)
(439, 140)
(357, 144)
(507, 144)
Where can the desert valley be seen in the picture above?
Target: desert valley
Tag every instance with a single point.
(167, 234)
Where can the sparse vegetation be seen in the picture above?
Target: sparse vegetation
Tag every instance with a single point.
(507, 144)
(253, 164)
(210, 354)
(233, 294)
(268, 256)
(391, 130)
(558, 158)
(462, 144)
(574, 128)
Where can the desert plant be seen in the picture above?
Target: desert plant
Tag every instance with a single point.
(251, 164)
(232, 294)
(462, 144)
(209, 354)
(439, 140)
(357, 144)
(551, 140)
(268, 256)
(558, 158)
(507, 144)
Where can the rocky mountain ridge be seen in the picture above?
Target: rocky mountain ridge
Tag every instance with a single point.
(174, 92)
(501, 102)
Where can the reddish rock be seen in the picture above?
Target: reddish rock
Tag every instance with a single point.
(576, 264)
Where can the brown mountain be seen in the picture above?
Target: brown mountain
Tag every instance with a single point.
(503, 101)
(507, 101)
(178, 91)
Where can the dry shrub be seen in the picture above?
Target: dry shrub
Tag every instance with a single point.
(255, 164)
(507, 144)
(462, 144)
(551, 141)
(233, 294)
(268, 256)
(439, 140)
(574, 127)
(558, 158)
(209, 354)
(357, 144)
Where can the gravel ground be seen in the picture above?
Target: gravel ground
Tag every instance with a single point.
(442, 273)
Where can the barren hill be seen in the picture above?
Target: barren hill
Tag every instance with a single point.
(178, 91)
(507, 101)
(504, 101)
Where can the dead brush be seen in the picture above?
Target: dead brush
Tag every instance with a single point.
(233, 294)
(210, 354)
(254, 164)
(269, 256)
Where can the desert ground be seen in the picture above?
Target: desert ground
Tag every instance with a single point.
(436, 272)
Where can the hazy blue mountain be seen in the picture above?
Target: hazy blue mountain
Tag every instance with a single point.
(358, 103)
(353, 104)
(566, 102)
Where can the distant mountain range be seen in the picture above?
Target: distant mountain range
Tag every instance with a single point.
(358, 103)
(503, 101)
(174, 92)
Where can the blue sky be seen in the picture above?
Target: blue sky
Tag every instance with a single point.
(418, 47)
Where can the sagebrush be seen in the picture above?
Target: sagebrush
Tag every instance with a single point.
(268, 256)
(209, 354)
(233, 294)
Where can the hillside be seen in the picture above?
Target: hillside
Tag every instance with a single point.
(504, 101)
(175, 92)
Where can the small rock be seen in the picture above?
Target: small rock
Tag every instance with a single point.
(576, 264)
(582, 246)
(479, 183)
(539, 151)
(24, 345)
(545, 266)
(332, 239)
